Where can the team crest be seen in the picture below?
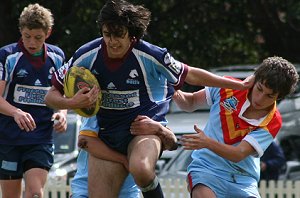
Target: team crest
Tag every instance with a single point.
(230, 103)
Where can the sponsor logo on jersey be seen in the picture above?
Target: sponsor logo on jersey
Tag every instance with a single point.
(22, 73)
(111, 86)
(30, 95)
(62, 71)
(120, 100)
(133, 74)
(37, 83)
(173, 64)
(230, 103)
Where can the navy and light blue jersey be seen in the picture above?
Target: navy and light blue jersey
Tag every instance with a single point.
(28, 79)
(142, 84)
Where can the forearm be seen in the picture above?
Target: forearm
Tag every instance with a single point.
(200, 77)
(6, 108)
(189, 102)
(229, 152)
(56, 100)
(99, 149)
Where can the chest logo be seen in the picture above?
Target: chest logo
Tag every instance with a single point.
(230, 103)
(22, 73)
(111, 86)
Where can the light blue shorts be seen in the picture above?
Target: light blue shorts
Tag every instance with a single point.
(239, 187)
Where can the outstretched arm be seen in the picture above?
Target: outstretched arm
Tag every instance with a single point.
(143, 125)
(190, 101)
(201, 77)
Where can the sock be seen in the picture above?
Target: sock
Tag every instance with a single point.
(153, 190)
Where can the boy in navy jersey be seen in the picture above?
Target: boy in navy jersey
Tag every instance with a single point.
(26, 142)
(137, 81)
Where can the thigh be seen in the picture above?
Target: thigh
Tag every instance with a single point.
(143, 154)
(144, 147)
(105, 178)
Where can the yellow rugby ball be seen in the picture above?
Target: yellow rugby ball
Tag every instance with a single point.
(77, 78)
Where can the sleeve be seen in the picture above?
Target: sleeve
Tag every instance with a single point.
(212, 94)
(174, 70)
(259, 139)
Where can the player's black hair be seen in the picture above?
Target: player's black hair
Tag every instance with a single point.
(117, 14)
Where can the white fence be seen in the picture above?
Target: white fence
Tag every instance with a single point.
(176, 188)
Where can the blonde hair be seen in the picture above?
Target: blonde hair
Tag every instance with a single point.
(35, 16)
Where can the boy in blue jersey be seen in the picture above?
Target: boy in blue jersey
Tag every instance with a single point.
(79, 184)
(26, 142)
(241, 126)
(137, 81)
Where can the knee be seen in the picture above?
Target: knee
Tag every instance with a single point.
(142, 170)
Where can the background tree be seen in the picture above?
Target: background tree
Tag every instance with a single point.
(199, 32)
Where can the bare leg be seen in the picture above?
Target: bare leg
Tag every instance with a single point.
(143, 154)
(105, 178)
(11, 188)
(35, 180)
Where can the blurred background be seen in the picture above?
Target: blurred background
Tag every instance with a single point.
(202, 33)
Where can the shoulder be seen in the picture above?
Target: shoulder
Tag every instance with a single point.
(149, 48)
(92, 45)
(55, 49)
(9, 49)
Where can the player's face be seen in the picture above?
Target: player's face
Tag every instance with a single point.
(117, 46)
(262, 97)
(33, 39)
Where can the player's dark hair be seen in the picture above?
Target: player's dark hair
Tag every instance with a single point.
(117, 14)
(277, 74)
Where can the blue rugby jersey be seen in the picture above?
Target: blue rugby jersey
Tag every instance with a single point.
(227, 125)
(141, 84)
(28, 79)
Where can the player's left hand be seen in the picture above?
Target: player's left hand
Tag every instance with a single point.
(249, 82)
(194, 141)
(60, 122)
(143, 125)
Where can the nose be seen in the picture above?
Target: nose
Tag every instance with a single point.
(112, 38)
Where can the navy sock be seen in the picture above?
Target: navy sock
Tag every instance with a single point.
(154, 193)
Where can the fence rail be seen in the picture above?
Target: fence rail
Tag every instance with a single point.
(176, 188)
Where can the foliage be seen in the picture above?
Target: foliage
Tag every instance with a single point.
(201, 33)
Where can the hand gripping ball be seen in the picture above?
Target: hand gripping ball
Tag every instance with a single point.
(75, 79)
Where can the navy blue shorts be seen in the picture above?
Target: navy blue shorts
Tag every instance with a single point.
(17, 159)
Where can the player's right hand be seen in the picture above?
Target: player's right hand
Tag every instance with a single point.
(85, 98)
(24, 120)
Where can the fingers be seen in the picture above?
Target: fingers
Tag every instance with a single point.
(25, 121)
(60, 122)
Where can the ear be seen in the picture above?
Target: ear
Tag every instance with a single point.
(49, 33)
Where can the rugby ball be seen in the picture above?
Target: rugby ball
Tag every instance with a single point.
(77, 78)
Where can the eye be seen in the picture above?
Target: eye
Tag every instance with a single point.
(106, 34)
(38, 37)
